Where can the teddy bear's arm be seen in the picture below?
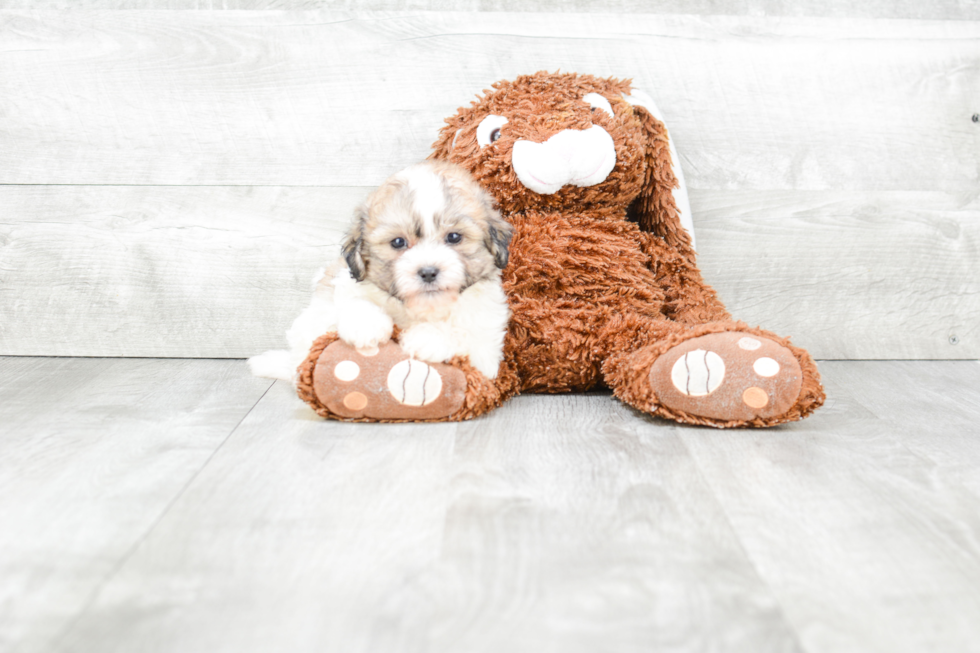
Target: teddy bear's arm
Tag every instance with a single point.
(688, 298)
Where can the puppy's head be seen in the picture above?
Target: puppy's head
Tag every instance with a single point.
(426, 234)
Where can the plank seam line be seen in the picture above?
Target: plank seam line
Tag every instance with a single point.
(790, 625)
(56, 643)
(151, 358)
(189, 185)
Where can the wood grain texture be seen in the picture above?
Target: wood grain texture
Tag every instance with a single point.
(341, 98)
(863, 519)
(832, 162)
(92, 453)
(939, 394)
(555, 524)
(916, 9)
(847, 274)
(156, 271)
(576, 524)
(290, 540)
(223, 271)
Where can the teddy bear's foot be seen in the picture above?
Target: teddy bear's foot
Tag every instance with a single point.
(387, 385)
(384, 384)
(730, 376)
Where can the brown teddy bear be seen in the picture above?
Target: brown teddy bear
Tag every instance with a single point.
(601, 281)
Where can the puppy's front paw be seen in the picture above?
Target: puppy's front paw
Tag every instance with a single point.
(427, 342)
(365, 327)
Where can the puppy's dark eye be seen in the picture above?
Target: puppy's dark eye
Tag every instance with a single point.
(494, 135)
(453, 238)
(399, 243)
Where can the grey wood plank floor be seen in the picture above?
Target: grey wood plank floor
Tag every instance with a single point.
(181, 505)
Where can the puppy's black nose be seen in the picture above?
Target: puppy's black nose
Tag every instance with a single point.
(429, 274)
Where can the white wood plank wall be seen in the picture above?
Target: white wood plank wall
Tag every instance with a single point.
(169, 180)
(923, 9)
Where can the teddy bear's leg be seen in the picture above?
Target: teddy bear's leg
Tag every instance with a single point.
(688, 299)
(385, 385)
(721, 374)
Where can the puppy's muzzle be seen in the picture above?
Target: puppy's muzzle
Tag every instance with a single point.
(428, 274)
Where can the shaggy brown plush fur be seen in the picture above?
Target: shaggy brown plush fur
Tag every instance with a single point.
(602, 280)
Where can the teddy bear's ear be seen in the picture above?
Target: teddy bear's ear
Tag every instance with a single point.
(662, 207)
(447, 138)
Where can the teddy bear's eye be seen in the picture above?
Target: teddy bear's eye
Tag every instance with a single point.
(488, 130)
(399, 243)
(596, 101)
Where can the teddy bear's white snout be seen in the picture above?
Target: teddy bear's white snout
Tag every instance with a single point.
(581, 157)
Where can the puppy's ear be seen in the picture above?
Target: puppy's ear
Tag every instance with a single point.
(498, 238)
(354, 244)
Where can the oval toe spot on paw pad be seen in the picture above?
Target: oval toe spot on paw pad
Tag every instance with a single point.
(414, 383)
(766, 367)
(368, 352)
(749, 344)
(755, 397)
(698, 373)
(355, 401)
(346, 371)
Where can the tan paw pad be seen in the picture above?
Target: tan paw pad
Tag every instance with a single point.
(728, 376)
(385, 384)
(755, 397)
(355, 401)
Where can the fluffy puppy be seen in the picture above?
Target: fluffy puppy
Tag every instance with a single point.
(424, 254)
